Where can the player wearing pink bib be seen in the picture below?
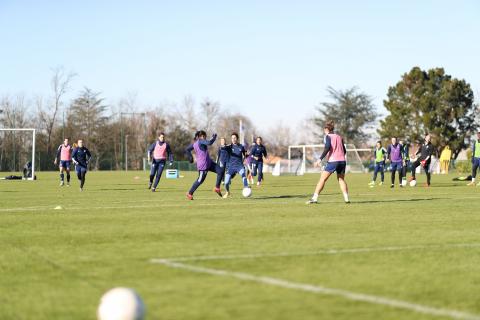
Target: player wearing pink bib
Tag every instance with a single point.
(159, 152)
(64, 157)
(336, 155)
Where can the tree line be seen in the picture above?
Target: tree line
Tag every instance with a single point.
(421, 101)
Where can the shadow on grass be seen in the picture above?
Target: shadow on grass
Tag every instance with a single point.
(290, 196)
(399, 200)
(117, 189)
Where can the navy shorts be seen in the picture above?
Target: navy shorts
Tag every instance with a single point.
(65, 164)
(232, 171)
(336, 166)
(80, 169)
(476, 161)
(397, 166)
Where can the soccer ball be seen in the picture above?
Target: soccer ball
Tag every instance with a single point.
(247, 192)
(413, 183)
(121, 304)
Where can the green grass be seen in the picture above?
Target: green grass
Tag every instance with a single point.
(55, 264)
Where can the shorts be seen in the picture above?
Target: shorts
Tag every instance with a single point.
(80, 169)
(476, 161)
(396, 166)
(336, 166)
(65, 164)
(232, 171)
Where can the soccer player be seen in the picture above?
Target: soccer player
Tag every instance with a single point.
(81, 156)
(424, 157)
(159, 151)
(204, 163)
(237, 154)
(379, 154)
(64, 158)
(222, 160)
(258, 152)
(394, 155)
(406, 159)
(249, 168)
(475, 159)
(336, 154)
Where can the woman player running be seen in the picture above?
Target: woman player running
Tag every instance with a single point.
(335, 152)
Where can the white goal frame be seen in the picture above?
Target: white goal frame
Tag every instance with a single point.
(303, 147)
(33, 146)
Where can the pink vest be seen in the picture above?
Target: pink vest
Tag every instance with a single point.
(66, 153)
(336, 152)
(160, 151)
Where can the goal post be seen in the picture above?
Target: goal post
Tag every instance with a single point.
(33, 131)
(303, 158)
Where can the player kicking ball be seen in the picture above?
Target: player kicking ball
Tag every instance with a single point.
(64, 158)
(81, 156)
(424, 158)
(204, 162)
(235, 166)
(335, 152)
(158, 151)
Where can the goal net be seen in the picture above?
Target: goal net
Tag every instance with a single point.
(17, 151)
(305, 159)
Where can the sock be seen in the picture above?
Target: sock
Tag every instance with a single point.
(61, 176)
(68, 177)
(315, 197)
(345, 197)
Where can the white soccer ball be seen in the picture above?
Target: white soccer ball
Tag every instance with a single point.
(247, 192)
(413, 183)
(121, 304)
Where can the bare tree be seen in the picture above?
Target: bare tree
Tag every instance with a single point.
(59, 83)
(186, 115)
(210, 113)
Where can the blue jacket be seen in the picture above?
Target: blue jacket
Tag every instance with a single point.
(81, 156)
(259, 151)
(237, 154)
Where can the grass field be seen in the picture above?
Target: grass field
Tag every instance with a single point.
(410, 253)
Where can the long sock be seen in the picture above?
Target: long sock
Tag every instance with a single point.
(228, 179)
(82, 182)
(345, 196)
(61, 176)
(219, 179)
(245, 182)
(68, 177)
(151, 178)
(393, 177)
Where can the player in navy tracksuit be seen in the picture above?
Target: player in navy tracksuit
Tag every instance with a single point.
(235, 165)
(222, 160)
(159, 152)
(81, 156)
(258, 152)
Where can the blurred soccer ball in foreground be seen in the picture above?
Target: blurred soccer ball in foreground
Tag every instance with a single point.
(121, 304)
(413, 183)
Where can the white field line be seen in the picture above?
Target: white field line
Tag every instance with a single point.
(361, 297)
(319, 252)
